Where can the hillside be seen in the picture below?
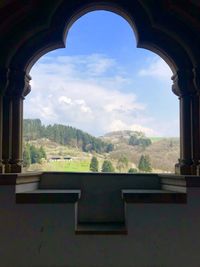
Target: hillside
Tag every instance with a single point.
(64, 135)
(163, 152)
(64, 141)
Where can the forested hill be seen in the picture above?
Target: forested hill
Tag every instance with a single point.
(64, 135)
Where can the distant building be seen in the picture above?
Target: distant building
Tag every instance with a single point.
(58, 158)
(67, 158)
(55, 158)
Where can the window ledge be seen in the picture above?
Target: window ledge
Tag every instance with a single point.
(48, 196)
(104, 228)
(153, 196)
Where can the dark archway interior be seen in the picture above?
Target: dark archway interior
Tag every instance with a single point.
(168, 28)
(142, 219)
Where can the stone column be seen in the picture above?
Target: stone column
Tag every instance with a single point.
(18, 88)
(185, 162)
(195, 133)
(7, 131)
(183, 87)
(3, 84)
(196, 121)
(1, 134)
(17, 135)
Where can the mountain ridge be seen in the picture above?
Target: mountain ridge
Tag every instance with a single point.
(64, 135)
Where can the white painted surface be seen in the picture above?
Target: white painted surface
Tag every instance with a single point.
(160, 235)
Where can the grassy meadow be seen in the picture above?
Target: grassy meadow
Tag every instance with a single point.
(163, 153)
(65, 166)
(75, 165)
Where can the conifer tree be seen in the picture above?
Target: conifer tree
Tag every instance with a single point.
(26, 157)
(94, 164)
(42, 153)
(132, 170)
(122, 163)
(107, 166)
(144, 164)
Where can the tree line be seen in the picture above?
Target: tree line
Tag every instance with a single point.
(32, 154)
(144, 165)
(64, 135)
(139, 139)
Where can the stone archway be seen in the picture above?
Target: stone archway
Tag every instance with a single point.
(162, 36)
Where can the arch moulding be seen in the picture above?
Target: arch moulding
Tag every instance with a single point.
(51, 33)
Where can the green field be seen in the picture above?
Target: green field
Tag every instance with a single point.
(65, 166)
(78, 165)
(156, 139)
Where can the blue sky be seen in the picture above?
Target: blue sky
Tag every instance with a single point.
(101, 82)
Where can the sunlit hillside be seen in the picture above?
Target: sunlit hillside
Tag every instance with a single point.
(51, 148)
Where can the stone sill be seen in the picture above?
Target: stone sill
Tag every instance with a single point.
(153, 196)
(48, 196)
(104, 228)
(19, 178)
(166, 179)
(180, 180)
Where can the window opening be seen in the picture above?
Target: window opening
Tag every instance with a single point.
(101, 104)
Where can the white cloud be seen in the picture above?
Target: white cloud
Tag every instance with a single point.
(64, 99)
(118, 125)
(98, 64)
(80, 102)
(146, 130)
(64, 91)
(157, 69)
